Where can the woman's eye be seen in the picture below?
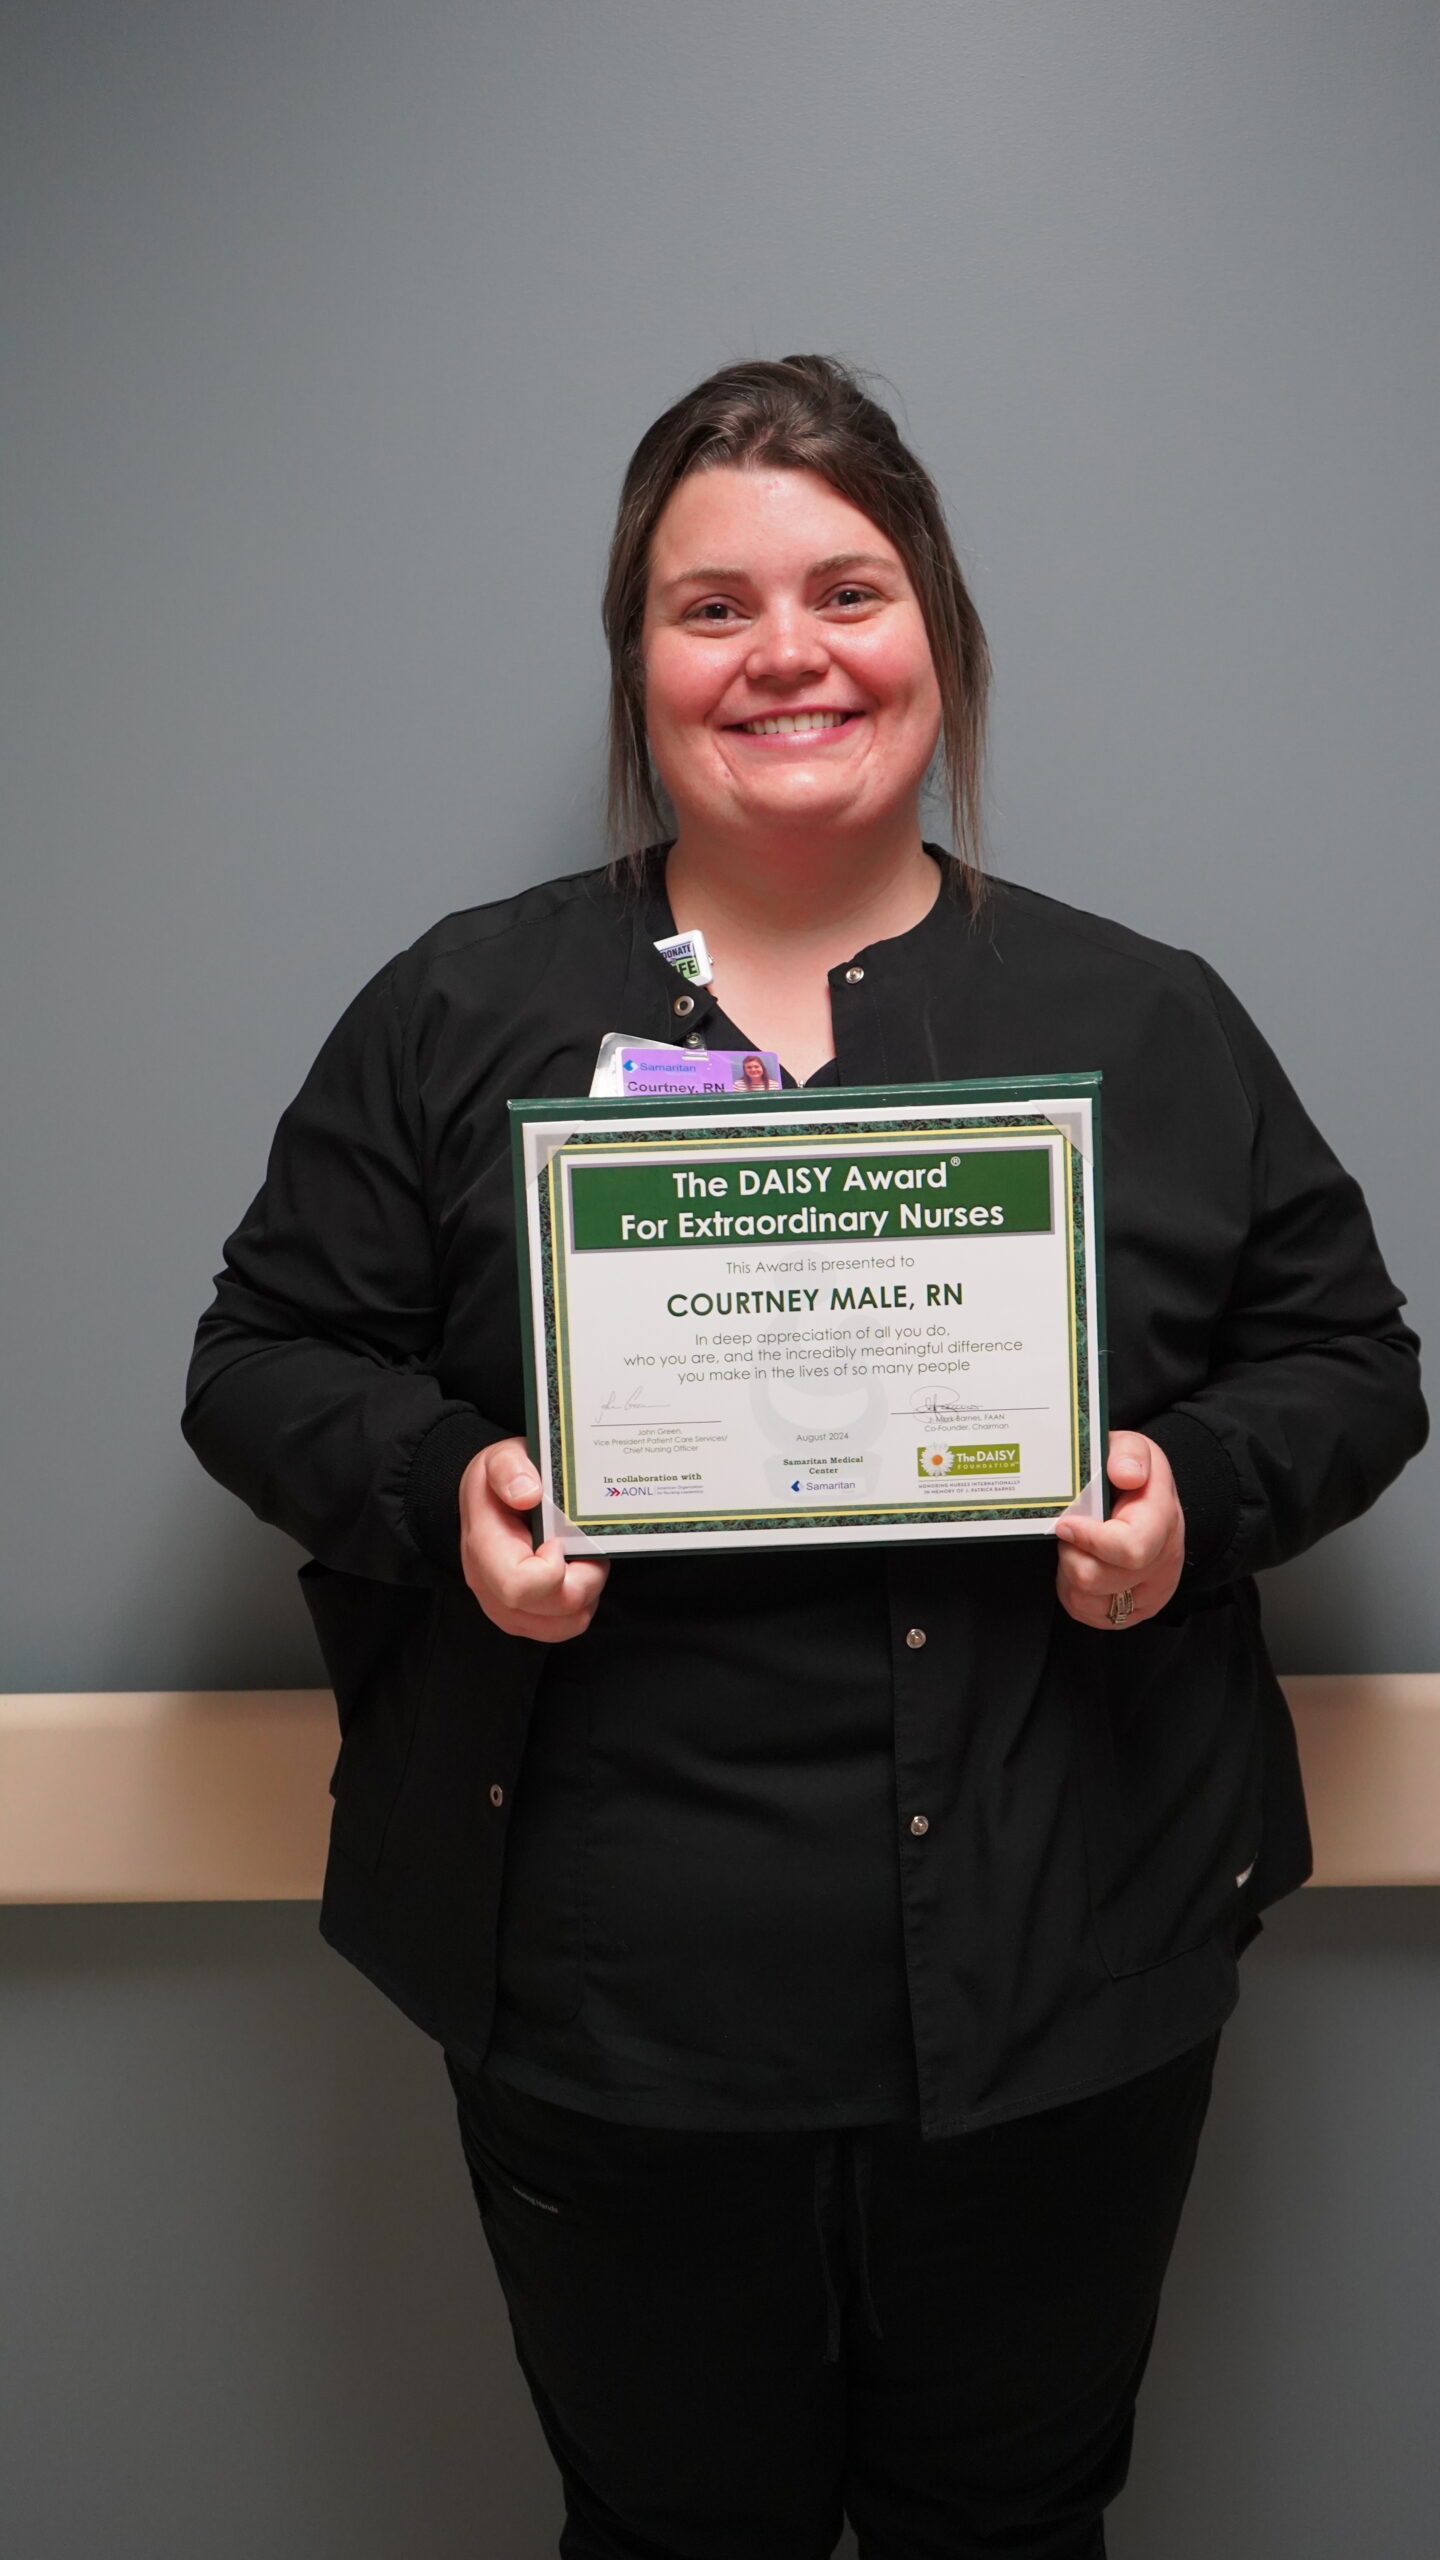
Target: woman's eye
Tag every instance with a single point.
(852, 595)
(714, 610)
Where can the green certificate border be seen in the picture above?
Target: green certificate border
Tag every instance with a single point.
(551, 1430)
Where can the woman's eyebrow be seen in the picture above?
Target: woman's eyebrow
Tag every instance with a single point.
(837, 560)
(853, 560)
(709, 577)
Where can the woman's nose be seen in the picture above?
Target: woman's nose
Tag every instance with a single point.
(786, 645)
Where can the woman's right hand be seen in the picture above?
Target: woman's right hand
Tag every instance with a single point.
(526, 1590)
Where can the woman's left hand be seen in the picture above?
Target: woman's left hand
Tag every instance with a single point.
(1139, 1549)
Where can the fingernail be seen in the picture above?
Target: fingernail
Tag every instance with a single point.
(522, 1489)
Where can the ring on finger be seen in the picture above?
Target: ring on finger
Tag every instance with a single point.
(1122, 1606)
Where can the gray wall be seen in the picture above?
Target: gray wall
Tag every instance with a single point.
(327, 330)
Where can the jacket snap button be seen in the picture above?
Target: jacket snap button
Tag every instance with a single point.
(694, 1039)
(853, 977)
(497, 1796)
(914, 1637)
(684, 1005)
(919, 1825)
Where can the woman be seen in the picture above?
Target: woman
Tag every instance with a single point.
(754, 1076)
(830, 1948)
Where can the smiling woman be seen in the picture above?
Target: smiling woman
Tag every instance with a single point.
(790, 698)
(837, 478)
(829, 1946)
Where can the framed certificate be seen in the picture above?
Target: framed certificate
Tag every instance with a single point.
(839, 1318)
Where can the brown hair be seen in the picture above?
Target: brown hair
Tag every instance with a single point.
(805, 413)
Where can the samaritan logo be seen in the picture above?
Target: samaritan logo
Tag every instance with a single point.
(968, 1458)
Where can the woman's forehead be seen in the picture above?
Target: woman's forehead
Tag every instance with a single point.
(750, 520)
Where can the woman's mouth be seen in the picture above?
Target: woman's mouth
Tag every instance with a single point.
(792, 724)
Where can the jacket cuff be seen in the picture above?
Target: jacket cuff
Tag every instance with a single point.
(1207, 1485)
(432, 1486)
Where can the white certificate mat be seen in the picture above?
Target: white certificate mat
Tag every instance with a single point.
(837, 1318)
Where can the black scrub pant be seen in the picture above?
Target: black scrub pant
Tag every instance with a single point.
(734, 2340)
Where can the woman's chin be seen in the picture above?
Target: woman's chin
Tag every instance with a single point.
(803, 805)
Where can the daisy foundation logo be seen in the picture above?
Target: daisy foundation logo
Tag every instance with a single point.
(968, 1458)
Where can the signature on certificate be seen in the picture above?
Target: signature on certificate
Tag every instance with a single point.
(940, 1405)
(637, 1401)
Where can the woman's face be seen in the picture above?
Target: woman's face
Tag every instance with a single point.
(754, 1071)
(773, 600)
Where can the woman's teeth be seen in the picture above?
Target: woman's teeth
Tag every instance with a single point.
(785, 723)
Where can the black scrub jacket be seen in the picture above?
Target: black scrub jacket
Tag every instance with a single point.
(1104, 1813)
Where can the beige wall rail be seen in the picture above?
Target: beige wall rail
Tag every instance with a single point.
(219, 1795)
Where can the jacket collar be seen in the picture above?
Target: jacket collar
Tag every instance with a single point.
(901, 1020)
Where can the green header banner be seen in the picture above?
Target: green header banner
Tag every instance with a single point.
(921, 1191)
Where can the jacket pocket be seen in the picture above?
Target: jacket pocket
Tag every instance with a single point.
(542, 1942)
(375, 1639)
(1170, 1760)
